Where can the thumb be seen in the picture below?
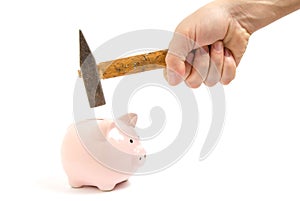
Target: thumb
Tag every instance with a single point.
(179, 48)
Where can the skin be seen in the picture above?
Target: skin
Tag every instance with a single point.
(208, 45)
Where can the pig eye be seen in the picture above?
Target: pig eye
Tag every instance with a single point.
(131, 141)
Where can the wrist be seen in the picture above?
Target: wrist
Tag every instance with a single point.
(255, 14)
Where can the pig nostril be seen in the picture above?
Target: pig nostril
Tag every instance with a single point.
(145, 156)
(140, 158)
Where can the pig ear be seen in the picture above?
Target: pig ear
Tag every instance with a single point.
(129, 119)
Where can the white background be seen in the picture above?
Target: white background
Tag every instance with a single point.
(257, 158)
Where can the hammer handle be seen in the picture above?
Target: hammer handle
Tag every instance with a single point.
(132, 64)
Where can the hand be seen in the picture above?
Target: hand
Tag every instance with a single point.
(207, 47)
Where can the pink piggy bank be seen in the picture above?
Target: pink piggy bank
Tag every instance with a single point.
(102, 153)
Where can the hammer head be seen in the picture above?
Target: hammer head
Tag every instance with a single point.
(90, 74)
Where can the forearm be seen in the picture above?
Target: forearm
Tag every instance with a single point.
(255, 14)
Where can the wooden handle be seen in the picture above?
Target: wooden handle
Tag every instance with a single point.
(132, 64)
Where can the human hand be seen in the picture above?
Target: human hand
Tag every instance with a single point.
(207, 47)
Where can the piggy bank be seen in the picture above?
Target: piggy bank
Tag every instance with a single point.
(101, 152)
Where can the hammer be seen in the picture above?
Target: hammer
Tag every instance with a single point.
(91, 72)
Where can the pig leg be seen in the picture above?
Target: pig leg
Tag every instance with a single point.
(107, 187)
(75, 184)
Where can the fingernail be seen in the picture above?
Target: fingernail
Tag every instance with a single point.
(218, 46)
(227, 52)
(173, 78)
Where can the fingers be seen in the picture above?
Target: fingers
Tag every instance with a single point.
(171, 74)
(216, 64)
(229, 67)
(175, 69)
(200, 68)
(188, 65)
(211, 66)
(208, 65)
(179, 49)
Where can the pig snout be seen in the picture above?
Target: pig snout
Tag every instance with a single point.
(139, 160)
(140, 157)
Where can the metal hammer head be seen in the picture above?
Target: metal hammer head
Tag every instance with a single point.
(90, 74)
